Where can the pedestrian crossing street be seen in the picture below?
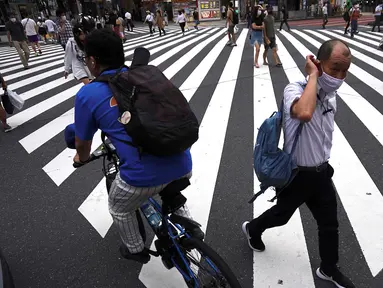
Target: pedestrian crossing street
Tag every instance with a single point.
(215, 78)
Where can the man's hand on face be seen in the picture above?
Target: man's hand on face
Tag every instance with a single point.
(311, 66)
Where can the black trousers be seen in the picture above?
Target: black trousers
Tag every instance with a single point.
(348, 25)
(284, 21)
(316, 189)
(150, 27)
(182, 25)
(129, 24)
(325, 20)
(376, 23)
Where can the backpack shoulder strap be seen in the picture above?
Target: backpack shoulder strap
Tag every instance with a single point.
(107, 77)
(300, 127)
(103, 78)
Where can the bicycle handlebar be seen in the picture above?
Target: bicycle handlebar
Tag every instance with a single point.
(102, 151)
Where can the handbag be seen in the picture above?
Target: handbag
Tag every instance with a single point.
(8, 107)
(15, 99)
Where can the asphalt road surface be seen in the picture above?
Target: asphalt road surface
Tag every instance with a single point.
(54, 224)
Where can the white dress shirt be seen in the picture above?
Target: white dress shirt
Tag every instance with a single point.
(128, 15)
(315, 141)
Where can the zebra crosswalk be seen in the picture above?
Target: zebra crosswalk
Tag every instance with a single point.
(231, 98)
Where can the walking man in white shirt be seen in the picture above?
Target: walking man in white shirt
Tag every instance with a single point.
(313, 102)
(129, 22)
(149, 19)
(31, 30)
(378, 13)
(52, 28)
(325, 14)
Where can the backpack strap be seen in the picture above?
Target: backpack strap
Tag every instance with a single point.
(103, 78)
(300, 127)
(107, 77)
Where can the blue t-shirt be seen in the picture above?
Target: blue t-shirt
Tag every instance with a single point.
(95, 108)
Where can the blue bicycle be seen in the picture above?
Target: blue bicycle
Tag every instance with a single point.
(177, 243)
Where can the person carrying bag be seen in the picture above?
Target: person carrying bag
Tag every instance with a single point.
(6, 103)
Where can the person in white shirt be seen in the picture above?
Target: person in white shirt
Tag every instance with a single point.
(129, 22)
(149, 19)
(377, 14)
(74, 56)
(30, 28)
(311, 102)
(325, 15)
(51, 29)
(42, 29)
(181, 21)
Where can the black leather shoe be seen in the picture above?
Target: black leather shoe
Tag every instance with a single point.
(141, 257)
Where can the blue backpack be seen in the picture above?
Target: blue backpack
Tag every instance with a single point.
(273, 166)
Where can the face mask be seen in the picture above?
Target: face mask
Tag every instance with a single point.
(259, 12)
(13, 19)
(63, 18)
(328, 83)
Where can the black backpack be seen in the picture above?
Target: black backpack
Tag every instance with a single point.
(346, 16)
(235, 18)
(154, 112)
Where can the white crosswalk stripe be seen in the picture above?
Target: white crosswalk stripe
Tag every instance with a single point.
(45, 90)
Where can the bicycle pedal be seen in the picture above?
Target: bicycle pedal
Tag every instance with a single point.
(153, 253)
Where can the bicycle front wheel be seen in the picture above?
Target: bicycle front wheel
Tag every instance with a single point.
(206, 267)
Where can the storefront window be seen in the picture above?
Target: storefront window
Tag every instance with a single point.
(188, 6)
(209, 10)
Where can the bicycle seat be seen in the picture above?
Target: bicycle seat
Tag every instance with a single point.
(171, 196)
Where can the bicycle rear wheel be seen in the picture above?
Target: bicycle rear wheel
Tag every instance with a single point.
(209, 269)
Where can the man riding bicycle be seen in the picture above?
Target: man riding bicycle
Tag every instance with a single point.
(140, 176)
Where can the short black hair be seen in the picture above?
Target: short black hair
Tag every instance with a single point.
(77, 29)
(59, 12)
(325, 50)
(230, 4)
(106, 47)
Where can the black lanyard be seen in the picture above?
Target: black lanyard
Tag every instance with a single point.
(324, 108)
